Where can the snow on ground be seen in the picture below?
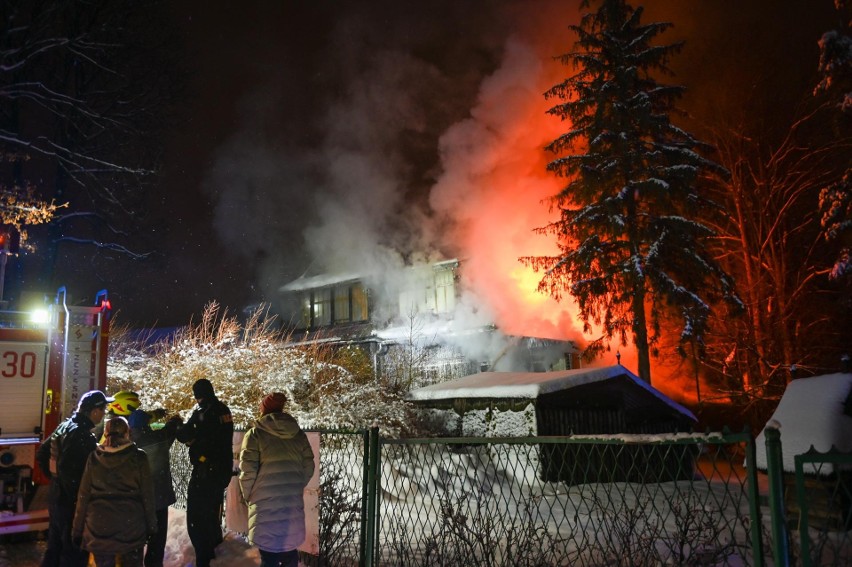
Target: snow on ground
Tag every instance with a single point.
(233, 552)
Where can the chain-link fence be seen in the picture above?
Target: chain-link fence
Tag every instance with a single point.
(548, 501)
(181, 469)
(565, 501)
(343, 497)
(819, 508)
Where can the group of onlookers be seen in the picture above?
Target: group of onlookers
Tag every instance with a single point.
(111, 482)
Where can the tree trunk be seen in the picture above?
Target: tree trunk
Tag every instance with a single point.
(640, 335)
(750, 373)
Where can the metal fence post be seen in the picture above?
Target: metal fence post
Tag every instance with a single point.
(754, 502)
(365, 498)
(372, 481)
(804, 536)
(775, 471)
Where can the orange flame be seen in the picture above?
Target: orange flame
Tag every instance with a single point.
(495, 187)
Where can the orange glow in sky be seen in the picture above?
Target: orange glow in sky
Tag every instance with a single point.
(495, 186)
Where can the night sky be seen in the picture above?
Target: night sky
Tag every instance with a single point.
(307, 133)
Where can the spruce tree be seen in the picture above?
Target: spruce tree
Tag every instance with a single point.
(835, 201)
(632, 247)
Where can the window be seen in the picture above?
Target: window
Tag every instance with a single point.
(322, 308)
(327, 306)
(341, 304)
(305, 311)
(359, 303)
(445, 291)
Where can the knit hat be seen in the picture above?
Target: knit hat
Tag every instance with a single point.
(203, 389)
(273, 403)
(92, 400)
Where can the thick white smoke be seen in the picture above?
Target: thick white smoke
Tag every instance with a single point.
(403, 172)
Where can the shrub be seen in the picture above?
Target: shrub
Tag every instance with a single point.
(327, 388)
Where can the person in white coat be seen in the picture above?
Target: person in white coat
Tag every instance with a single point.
(276, 463)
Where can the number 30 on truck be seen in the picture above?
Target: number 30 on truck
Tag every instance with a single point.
(46, 364)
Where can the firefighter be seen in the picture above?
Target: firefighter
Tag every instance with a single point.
(123, 403)
(208, 433)
(157, 444)
(62, 457)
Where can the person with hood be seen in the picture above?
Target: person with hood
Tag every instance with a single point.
(276, 463)
(157, 445)
(115, 509)
(62, 458)
(209, 434)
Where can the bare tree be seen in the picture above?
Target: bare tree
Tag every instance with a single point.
(82, 86)
(768, 239)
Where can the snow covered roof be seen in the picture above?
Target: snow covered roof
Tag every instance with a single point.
(322, 280)
(429, 328)
(329, 279)
(533, 384)
(810, 413)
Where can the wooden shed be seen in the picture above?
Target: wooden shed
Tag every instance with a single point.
(815, 414)
(588, 401)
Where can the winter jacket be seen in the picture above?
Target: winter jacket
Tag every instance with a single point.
(62, 457)
(209, 433)
(276, 463)
(115, 509)
(157, 446)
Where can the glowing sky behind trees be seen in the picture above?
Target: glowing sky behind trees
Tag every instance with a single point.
(376, 132)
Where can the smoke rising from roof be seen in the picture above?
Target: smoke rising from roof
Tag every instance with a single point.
(425, 143)
(377, 133)
(410, 133)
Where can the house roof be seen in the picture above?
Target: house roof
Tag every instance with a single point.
(318, 281)
(810, 413)
(531, 385)
(330, 279)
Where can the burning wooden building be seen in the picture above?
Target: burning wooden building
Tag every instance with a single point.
(409, 327)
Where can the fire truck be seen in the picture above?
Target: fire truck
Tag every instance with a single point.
(46, 364)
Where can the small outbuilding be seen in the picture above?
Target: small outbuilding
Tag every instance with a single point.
(815, 415)
(588, 401)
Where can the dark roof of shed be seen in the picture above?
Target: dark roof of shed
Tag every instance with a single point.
(532, 385)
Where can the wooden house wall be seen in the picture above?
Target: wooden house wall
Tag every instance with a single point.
(603, 408)
(599, 421)
(614, 462)
(606, 409)
(579, 421)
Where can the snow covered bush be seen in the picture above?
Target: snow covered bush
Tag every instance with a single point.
(328, 388)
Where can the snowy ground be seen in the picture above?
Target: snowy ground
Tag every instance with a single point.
(233, 552)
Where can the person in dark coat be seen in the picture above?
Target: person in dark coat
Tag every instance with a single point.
(62, 458)
(276, 463)
(208, 433)
(157, 445)
(115, 508)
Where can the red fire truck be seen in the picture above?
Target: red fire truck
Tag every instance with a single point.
(45, 366)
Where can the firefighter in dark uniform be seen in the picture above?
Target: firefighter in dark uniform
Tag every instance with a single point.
(208, 433)
(62, 457)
